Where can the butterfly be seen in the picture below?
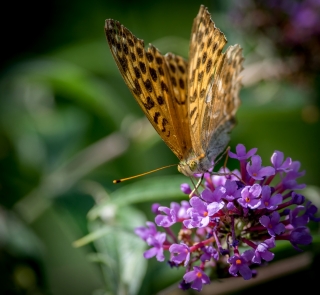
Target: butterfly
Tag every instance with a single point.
(191, 104)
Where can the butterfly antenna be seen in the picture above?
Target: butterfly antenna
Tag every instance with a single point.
(142, 174)
(222, 155)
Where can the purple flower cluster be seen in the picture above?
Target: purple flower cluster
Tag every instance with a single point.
(251, 208)
(293, 26)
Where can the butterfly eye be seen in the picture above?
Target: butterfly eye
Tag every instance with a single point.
(192, 165)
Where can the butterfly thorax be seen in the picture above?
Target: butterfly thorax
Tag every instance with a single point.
(194, 164)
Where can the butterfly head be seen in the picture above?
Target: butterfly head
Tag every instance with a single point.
(193, 165)
(188, 168)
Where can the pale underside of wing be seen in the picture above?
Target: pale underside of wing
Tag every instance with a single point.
(157, 82)
(213, 86)
(219, 114)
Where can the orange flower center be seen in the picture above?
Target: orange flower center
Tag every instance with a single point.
(238, 261)
(199, 274)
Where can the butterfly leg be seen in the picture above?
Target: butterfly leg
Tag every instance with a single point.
(196, 186)
(226, 159)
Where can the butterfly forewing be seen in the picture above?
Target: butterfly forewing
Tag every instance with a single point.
(178, 71)
(149, 76)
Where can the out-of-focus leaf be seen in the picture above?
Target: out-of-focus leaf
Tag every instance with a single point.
(121, 251)
(72, 81)
(93, 56)
(17, 237)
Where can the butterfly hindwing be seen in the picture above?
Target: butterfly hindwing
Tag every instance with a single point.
(206, 61)
(210, 78)
(220, 113)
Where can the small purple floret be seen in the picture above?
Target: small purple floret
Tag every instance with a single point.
(180, 253)
(268, 202)
(215, 196)
(185, 188)
(208, 253)
(157, 250)
(262, 251)
(198, 277)
(250, 196)
(278, 163)
(201, 212)
(256, 171)
(300, 236)
(231, 191)
(145, 232)
(311, 210)
(240, 264)
(171, 215)
(272, 223)
(290, 180)
(297, 220)
(241, 153)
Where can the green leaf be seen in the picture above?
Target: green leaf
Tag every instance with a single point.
(121, 252)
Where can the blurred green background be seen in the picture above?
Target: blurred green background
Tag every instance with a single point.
(69, 126)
